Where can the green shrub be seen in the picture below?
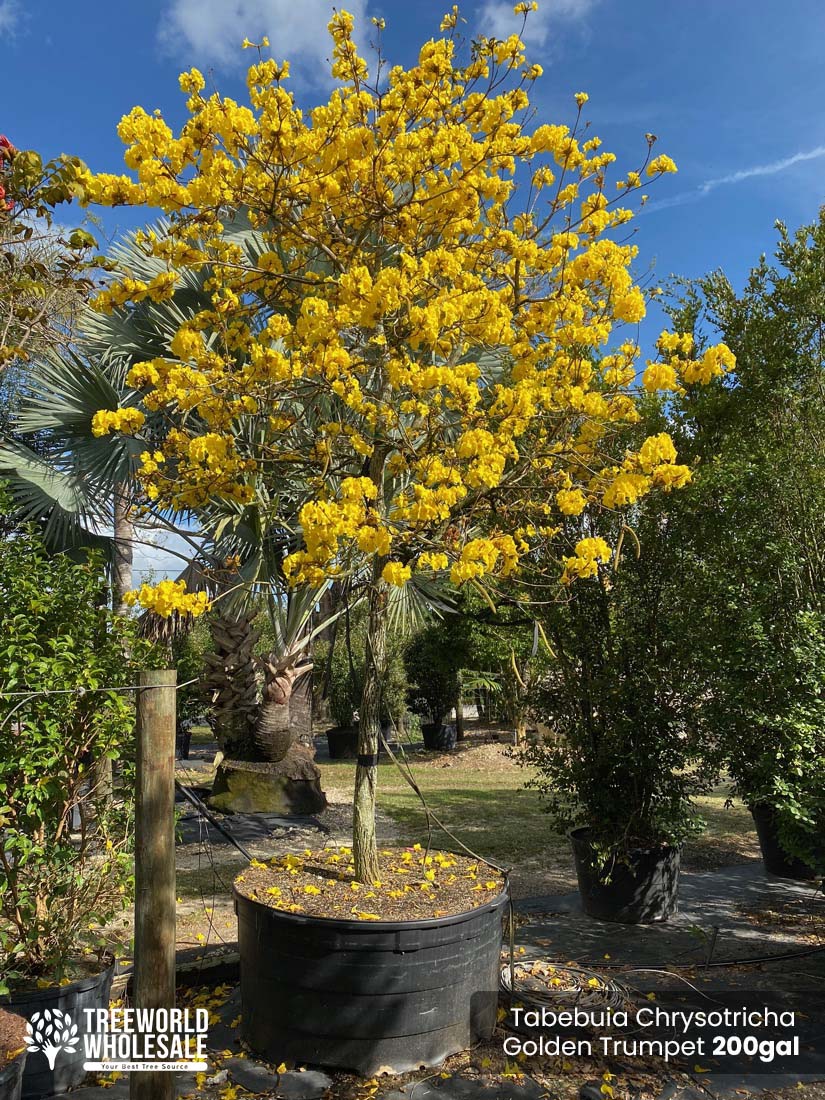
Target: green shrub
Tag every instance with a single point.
(66, 860)
(619, 695)
(346, 683)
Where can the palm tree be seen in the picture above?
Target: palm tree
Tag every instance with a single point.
(60, 475)
(75, 485)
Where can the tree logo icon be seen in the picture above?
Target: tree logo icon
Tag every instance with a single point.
(51, 1031)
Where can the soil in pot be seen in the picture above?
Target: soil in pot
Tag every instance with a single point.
(641, 888)
(369, 977)
(776, 860)
(71, 1000)
(12, 1055)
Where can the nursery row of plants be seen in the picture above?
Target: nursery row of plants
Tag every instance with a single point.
(410, 457)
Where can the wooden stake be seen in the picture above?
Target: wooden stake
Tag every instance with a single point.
(155, 862)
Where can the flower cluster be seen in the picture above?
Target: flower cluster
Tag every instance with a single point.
(678, 366)
(437, 365)
(168, 597)
(128, 420)
(585, 559)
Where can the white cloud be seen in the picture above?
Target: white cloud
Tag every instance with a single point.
(212, 31)
(763, 169)
(159, 555)
(499, 20)
(770, 169)
(10, 15)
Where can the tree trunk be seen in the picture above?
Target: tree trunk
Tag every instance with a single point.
(459, 709)
(277, 718)
(233, 685)
(102, 774)
(364, 845)
(302, 708)
(124, 534)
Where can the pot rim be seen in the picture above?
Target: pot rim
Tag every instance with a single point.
(577, 834)
(20, 1056)
(343, 925)
(78, 986)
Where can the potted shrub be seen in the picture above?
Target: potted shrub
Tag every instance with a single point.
(401, 375)
(622, 765)
(346, 685)
(434, 658)
(770, 714)
(754, 532)
(12, 1055)
(66, 864)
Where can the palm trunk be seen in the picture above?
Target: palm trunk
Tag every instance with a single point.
(364, 844)
(273, 732)
(233, 685)
(124, 534)
(102, 775)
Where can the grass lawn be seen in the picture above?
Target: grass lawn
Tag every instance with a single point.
(478, 793)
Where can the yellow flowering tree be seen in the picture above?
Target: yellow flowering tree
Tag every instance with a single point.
(428, 343)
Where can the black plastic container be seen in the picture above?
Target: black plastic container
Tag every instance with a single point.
(11, 1074)
(364, 995)
(439, 738)
(776, 860)
(641, 889)
(342, 744)
(11, 1078)
(73, 999)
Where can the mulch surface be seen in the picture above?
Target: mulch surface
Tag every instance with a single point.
(414, 885)
(12, 1030)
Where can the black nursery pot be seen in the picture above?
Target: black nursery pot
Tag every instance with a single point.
(439, 738)
(342, 743)
(11, 1071)
(72, 999)
(364, 995)
(11, 1078)
(642, 889)
(776, 860)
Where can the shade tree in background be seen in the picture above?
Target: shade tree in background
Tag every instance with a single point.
(754, 528)
(45, 269)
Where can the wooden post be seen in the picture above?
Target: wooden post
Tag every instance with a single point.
(155, 862)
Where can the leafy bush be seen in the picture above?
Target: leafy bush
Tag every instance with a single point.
(618, 695)
(65, 855)
(433, 669)
(188, 657)
(754, 534)
(346, 683)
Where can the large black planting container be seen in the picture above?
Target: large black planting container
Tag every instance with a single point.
(641, 888)
(439, 738)
(11, 1078)
(73, 999)
(364, 995)
(342, 743)
(776, 860)
(12, 1055)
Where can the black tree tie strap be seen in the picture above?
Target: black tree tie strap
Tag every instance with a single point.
(368, 760)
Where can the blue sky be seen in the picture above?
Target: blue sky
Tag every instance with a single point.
(730, 87)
